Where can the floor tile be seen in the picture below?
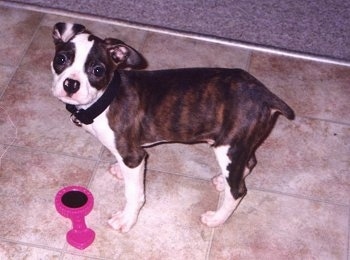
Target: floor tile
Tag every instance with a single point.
(313, 89)
(271, 226)
(17, 27)
(164, 51)
(16, 251)
(196, 160)
(168, 225)
(29, 183)
(40, 54)
(6, 73)
(191, 160)
(3, 149)
(306, 158)
(7, 128)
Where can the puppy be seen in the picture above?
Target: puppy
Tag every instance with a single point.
(128, 110)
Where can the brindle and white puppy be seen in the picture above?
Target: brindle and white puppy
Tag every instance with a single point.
(129, 109)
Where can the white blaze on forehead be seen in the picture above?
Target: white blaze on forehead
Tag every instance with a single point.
(68, 32)
(82, 50)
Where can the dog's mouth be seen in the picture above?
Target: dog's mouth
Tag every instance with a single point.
(69, 95)
(77, 99)
(66, 97)
(85, 95)
(68, 100)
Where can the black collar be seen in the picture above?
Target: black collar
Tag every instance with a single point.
(87, 116)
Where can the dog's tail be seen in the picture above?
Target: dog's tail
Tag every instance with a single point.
(280, 106)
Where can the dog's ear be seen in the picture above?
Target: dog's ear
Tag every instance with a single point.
(64, 32)
(124, 55)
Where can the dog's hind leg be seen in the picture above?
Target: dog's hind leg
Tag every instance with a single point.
(229, 203)
(219, 181)
(234, 169)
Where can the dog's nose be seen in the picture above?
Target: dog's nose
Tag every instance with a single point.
(71, 86)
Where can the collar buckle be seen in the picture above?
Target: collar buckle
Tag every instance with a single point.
(75, 120)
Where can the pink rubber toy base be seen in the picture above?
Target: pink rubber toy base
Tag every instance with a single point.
(80, 239)
(75, 202)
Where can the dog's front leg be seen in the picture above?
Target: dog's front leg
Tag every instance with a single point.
(135, 197)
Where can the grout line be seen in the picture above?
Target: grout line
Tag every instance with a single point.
(93, 175)
(297, 196)
(53, 249)
(249, 61)
(84, 256)
(62, 251)
(210, 244)
(6, 84)
(143, 41)
(15, 134)
(180, 175)
(196, 36)
(15, 68)
(61, 257)
(100, 153)
(324, 120)
(40, 150)
(276, 192)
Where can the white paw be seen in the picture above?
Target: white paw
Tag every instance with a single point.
(212, 219)
(122, 221)
(219, 182)
(114, 169)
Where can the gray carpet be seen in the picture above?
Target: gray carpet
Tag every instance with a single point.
(315, 27)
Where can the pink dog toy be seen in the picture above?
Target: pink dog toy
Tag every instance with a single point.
(76, 202)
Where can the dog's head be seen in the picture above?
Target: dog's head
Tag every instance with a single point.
(84, 64)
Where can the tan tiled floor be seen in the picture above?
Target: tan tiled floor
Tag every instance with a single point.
(298, 202)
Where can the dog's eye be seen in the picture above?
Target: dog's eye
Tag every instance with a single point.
(60, 59)
(99, 71)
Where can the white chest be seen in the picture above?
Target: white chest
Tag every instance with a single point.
(101, 130)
